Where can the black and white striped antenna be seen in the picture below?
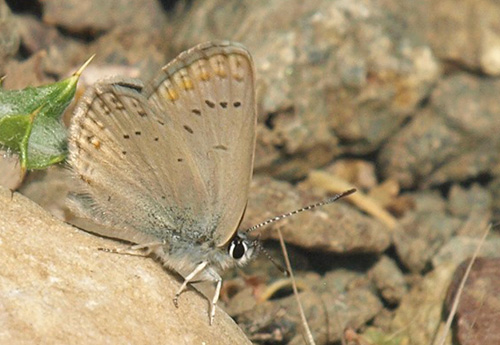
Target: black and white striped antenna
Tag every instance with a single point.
(306, 208)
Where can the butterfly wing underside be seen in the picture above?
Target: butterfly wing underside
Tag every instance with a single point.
(177, 155)
(209, 92)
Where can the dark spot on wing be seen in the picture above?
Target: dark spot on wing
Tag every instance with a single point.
(220, 147)
(138, 133)
(106, 109)
(196, 111)
(118, 105)
(126, 136)
(223, 104)
(210, 103)
(161, 123)
(138, 107)
(187, 128)
(237, 104)
(180, 159)
(124, 152)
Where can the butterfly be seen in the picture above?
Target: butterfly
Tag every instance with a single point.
(168, 166)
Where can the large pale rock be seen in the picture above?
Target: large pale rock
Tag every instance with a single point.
(57, 288)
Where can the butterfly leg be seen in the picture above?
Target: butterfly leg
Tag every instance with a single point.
(215, 298)
(188, 279)
(135, 249)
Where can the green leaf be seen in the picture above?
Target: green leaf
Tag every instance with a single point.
(30, 121)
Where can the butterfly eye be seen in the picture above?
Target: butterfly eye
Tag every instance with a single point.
(237, 248)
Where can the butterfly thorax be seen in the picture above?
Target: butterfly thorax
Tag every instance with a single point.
(184, 254)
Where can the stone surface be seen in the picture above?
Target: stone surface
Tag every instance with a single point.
(463, 201)
(63, 53)
(11, 176)
(389, 280)
(49, 188)
(460, 248)
(429, 201)
(26, 73)
(454, 139)
(101, 15)
(138, 47)
(9, 36)
(464, 32)
(56, 286)
(126, 46)
(474, 205)
(476, 320)
(421, 235)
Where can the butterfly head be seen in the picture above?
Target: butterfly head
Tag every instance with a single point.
(241, 249)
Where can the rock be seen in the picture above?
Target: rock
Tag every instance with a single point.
(462, 201)
(421, 235)
(27, 73)
(476, 320)
(389, 280)
(467, 32)
(429, 201)
(49, 188)
(9, 36)
(460, 248)
(62, 53)
(474, 205)
(11, 175)
(453, 140)
(463, 34)
(56, 286)
(102, 15)
(141, 48)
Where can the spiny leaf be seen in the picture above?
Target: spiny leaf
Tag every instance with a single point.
(30, 121)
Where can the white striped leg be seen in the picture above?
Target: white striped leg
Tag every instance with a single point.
(188, 279)
(215, 299)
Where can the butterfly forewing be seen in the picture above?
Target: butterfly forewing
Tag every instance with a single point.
(112, 126)
(208, 93)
